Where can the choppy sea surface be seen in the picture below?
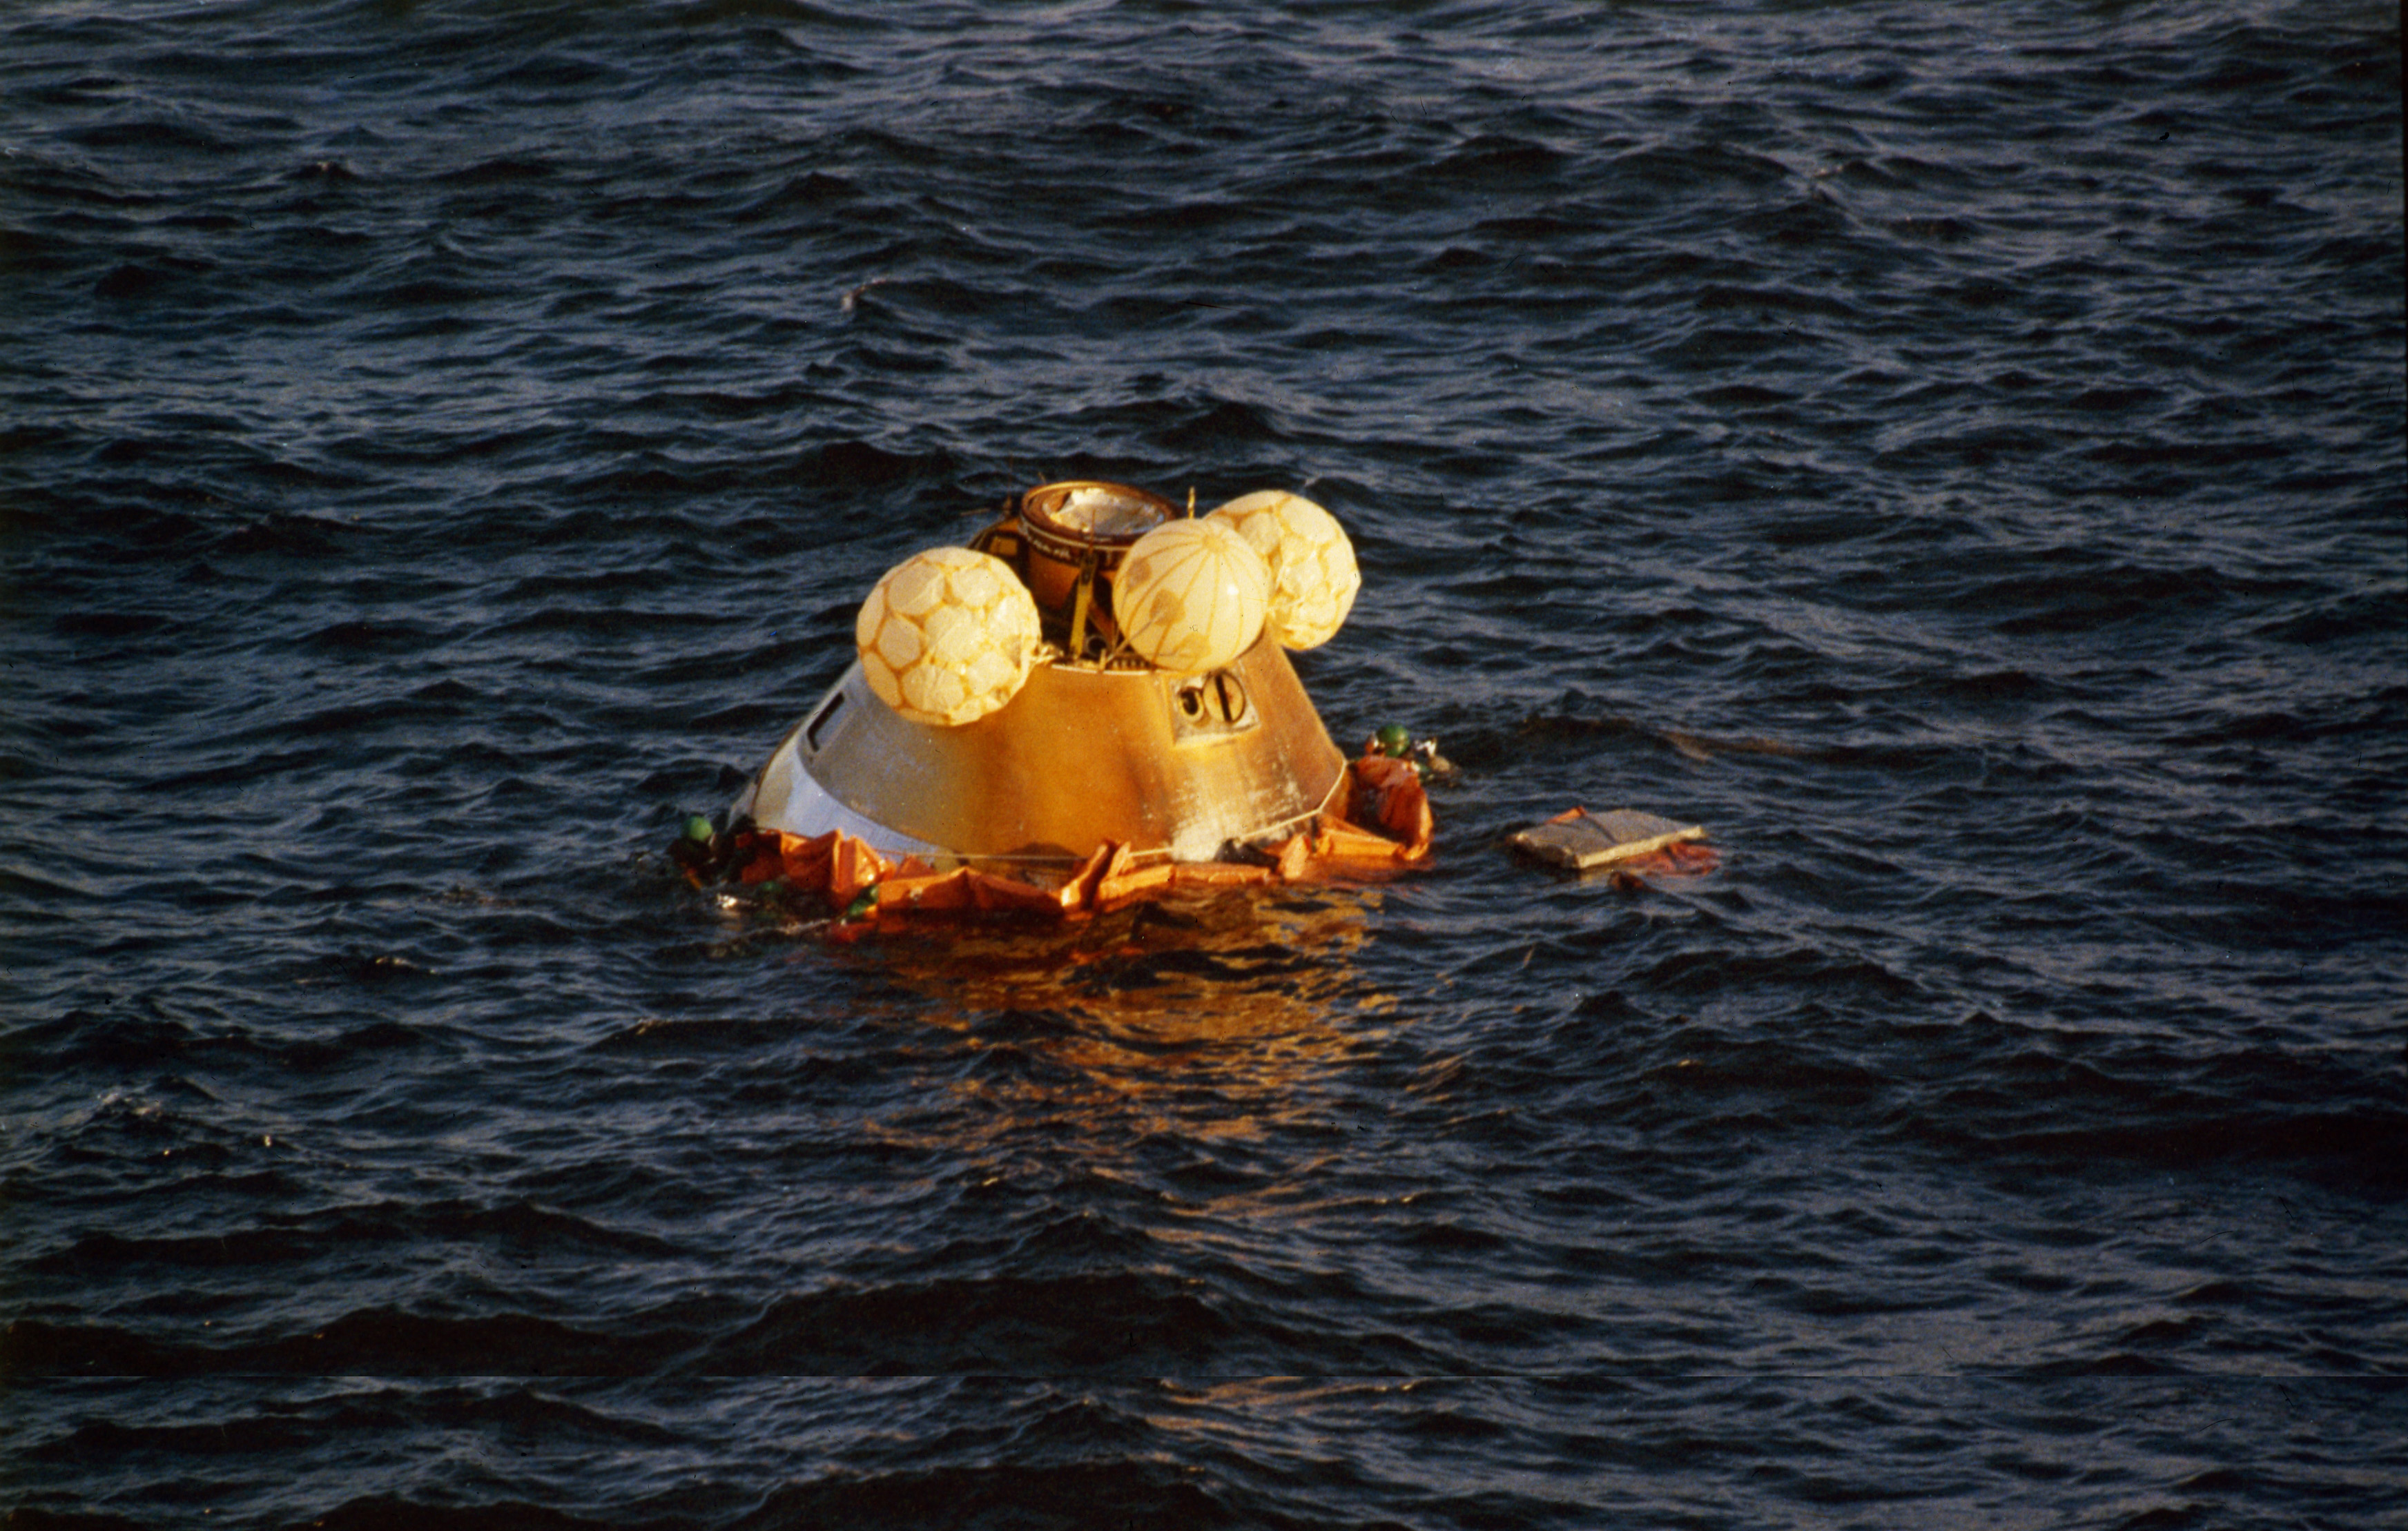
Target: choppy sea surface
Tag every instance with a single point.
(1954, 454)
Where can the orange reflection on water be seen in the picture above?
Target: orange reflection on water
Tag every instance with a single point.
(1189, 1018)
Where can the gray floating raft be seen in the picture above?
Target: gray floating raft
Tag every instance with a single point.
(1584, 841)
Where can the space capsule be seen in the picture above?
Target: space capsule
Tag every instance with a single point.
(1090, 700)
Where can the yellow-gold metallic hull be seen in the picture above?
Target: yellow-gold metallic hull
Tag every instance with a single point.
(1177, 768)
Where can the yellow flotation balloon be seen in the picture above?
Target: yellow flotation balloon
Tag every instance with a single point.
(1313, 575)
(1191, 595)
(947, 636)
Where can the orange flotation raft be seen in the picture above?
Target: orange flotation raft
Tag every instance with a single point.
(1384, 829)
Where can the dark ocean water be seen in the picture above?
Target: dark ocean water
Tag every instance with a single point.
(1954, 454)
